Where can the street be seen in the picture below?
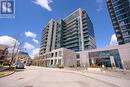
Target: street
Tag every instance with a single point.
(49, 77)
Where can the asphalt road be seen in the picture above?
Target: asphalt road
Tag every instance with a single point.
(47, 77)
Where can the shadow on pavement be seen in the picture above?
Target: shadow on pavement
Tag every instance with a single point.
(19, 70)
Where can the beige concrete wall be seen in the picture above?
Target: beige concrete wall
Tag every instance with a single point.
(69, 58)
(125, 55)
(84, 59)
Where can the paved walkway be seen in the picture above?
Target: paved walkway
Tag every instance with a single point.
(52, 77)
(3, 68)
(119, 79)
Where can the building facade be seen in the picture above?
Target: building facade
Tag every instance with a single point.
(74, 32)
(60, 57)
(113, 56)
(120, 15)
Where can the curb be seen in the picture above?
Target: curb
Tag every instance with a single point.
(8, 74)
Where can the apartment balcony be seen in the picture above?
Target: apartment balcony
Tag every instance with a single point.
(44, 45)
(85, 24)
(111, 11)
(86, 27)
(87, 39)
(86, 35)
(116, 26)
(70, 28)
(84, 17)
(120, 40)
(118, 35)
(69, 25)
(45, 35)
(114, 22)
(85, 32)
(70, 46)
(117, 30)
(70, 42)
(68, 39)
(84, 21)
(68, 34)
(72, 20)
(71, 33)
(86, 44)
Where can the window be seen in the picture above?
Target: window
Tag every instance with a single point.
(60, 53)
(48, 56)
(52, 54)
(55, 54)
(77, 56)
(59, 61)
(51, 62)
(55, 61)
(129, 32)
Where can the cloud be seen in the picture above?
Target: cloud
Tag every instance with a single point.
(32, 35)
(100, 5)
(113, 41)
(36, 41)
(9, 41)
(28, 46)
(44, 4)
(35, 52)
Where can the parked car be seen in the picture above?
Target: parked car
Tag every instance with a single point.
(20, 65)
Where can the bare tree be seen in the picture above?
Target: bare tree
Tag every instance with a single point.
(15, 49)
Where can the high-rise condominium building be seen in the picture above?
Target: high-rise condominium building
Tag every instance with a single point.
(75, 32)
(120, 15)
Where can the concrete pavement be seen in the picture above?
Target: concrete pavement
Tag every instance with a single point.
(49, 77)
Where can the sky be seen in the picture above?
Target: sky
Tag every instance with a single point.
(31, 16)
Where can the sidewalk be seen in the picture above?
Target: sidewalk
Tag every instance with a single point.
(3, 68)
(118, 74)
(106, 78)
(5, 71)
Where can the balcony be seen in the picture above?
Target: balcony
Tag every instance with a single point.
(67, 26)
(70, 42)
(85, 24)
(71, 38)
(70, 46)
(86, 35)
(86, 27)
(68, 34)
(85, 32)
(118, 35)
(70, 28)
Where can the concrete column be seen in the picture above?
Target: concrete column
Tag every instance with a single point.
(49, 36)
(92, 59)
(81, 29)
(56, 61)
(112, 61)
